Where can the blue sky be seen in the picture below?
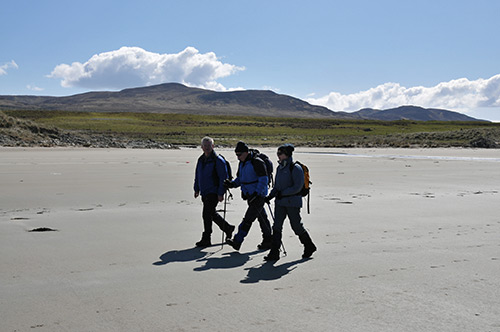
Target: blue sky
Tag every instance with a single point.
(345, 55)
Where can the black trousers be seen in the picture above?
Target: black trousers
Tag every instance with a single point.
(255, 211)
(210, 215)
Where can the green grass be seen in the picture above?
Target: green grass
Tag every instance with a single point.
(181, 129)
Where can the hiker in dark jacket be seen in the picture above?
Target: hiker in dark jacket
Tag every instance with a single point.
(211, 171)
(287, 187)
(253, 180)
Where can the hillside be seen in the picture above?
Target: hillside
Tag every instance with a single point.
(412, 113)
(176, 98)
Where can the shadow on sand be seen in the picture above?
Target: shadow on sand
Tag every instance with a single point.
(228, 261)
(266, 271)
(269, 271)
(186, 255)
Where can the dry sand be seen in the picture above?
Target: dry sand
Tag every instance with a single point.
(408, 240)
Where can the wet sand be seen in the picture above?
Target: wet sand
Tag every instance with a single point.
(408, 240)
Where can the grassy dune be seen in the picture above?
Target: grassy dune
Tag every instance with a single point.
(181, 129)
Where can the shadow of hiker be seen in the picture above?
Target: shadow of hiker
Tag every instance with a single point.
(230, 260)
(267, 271)
(186, 255)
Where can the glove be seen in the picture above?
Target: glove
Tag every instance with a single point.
(268, 199)
(278, 195)
(229, 184)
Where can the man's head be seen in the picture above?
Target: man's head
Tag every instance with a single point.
(207, 145)
(241, 151)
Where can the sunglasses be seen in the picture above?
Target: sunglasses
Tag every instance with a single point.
(238, 154)
(280, 153)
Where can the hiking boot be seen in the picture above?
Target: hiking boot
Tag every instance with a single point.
(273, 255)
(234, 244)
(229, 233)
(204, 242)
(308, 250)
(309, 246)
(265, 244)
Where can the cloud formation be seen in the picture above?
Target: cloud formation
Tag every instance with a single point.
(7, 65)
(133, 67)
(34, 88)
(458, 95)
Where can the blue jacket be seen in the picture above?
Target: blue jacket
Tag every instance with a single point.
(289, 181)
(210, 174)
(252, 176)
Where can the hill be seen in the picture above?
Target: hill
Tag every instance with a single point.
(412, 113)
(179, 99)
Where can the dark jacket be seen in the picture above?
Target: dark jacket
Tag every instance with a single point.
(210, 174)
(288, 181)
(252, 176)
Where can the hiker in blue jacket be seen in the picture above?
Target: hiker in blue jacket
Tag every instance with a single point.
(253, 180)
(287, 191)
(211, 171)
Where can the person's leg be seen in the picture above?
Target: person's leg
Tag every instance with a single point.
(265, 227)
(295, 220)
(301, 232)
(253, 210)
(209, 205)
(222, 223)
(279, 218)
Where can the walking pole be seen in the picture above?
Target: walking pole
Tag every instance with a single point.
(225, 204)
(272, 216)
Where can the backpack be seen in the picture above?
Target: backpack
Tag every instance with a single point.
(228, 167)
(306, 188)
(267, 162)
(215, 176)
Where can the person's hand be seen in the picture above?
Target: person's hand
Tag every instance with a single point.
(228, 184)
(196, 194)
(278, 195)
(221, 198)
(268, 199)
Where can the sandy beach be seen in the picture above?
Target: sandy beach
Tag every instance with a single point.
(408, 240)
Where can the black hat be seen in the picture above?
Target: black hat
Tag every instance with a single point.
(287, 149)
(241, 147)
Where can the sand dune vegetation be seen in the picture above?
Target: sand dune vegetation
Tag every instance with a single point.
(153, 130)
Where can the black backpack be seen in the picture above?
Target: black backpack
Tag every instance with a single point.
(267, 162)
(228, 167)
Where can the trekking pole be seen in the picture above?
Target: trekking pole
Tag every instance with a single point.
(272, 216)
(225, 204)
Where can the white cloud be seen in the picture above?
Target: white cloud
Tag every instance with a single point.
(7, 65)
(458, 95)
(33, 88)
(133, 66)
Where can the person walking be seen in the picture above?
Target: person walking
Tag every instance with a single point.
(210, 174)
(253, 179)
(287, 187)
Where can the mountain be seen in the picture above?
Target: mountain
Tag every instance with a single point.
(178, 98)
(413, 113)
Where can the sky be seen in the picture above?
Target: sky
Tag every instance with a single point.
(345, 55)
